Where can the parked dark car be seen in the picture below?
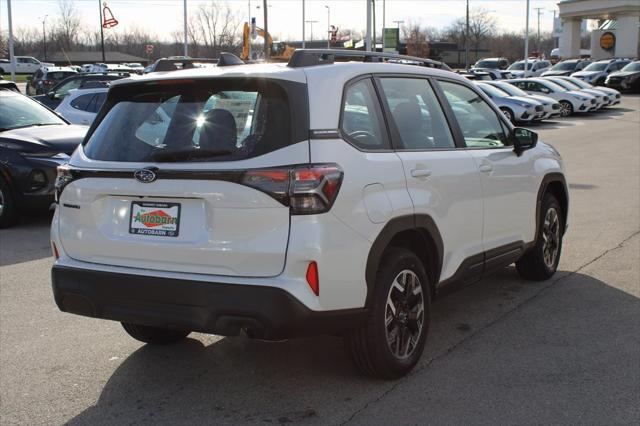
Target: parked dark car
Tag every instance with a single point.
(53, 98)
(34, 141)
(567, 67)
(493, 63)
(628, 78)
(45, 78)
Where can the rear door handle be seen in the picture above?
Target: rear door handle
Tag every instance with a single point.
(486, 168)
(420, 173)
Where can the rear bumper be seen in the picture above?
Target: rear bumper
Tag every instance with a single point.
(224, 309)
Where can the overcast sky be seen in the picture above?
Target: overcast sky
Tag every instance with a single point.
(162, 17)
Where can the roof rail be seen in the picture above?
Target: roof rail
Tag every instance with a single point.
(310, 57)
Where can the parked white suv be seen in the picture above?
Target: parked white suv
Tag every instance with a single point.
(286, 201)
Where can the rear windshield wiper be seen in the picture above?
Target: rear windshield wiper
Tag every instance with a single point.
(188, 154)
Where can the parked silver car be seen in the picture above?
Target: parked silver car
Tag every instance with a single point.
(515, 108)
(550, 105)
(602, 99)
(614, 95)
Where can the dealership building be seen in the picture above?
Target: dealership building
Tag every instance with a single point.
(616, 37)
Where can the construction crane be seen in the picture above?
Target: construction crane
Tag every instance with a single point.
(279, 51)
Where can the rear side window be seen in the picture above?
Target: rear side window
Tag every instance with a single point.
(417, 114)
(479, 123)
(96, 102)
(362, 123)
(82, 102)
(214, 120)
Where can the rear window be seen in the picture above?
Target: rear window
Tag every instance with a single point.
(59, 75)
(214, 120)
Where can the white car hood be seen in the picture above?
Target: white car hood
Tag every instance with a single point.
(524, 99)
(581, 94)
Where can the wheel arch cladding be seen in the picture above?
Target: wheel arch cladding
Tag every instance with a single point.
(556, 185)
(417, 233)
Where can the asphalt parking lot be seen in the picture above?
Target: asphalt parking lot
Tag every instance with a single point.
(503, 351)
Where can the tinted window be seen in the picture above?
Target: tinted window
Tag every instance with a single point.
(362, 120)
(59, 75)
(479, 123)
(417, 114)
(215, 120)
(82, 102)
(96, 102)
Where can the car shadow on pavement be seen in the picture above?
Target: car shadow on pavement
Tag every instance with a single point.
(26, 240)
(238, 380)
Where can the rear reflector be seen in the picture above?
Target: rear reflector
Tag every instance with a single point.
(54, 249)
(312, 278)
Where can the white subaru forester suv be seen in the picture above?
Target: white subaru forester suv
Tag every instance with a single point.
(327, 195)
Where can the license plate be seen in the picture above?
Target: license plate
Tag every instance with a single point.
(159, 219)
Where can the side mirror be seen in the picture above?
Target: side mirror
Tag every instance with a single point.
(523, 139)
(51, 95)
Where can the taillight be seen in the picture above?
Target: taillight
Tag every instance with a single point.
(308, 189)
(64, 178)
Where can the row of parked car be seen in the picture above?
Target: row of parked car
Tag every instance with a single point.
(44, 129)
(525, 100)
(617, 73)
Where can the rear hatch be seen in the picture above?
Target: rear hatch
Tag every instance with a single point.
(187, 176)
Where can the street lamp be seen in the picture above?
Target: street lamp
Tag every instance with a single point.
(44, 37)
(398, 23)
(328, 26)
(311, 23)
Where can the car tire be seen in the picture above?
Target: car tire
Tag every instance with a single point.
(509, 114)
(566, 108)
(392, 340)
(8, 209)
(541, 261)
(154, 335)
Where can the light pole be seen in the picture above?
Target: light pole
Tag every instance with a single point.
(398, 23)
(526, 43)
(44, 37)
(104, 59)
(12, 56)
(267, 47)
(186, 42)
(538, 9)
(466, 41)
(303, 16)
(311, 23)
(328, 26)
(368, 35)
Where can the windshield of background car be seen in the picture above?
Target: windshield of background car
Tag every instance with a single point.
(632, 66)
(519, 66)
(564, 66)
(566, 84)
(493, 91)
(18, 111)
(59, 75)
(556, 88)
(200, 120)
(512, 90)
(487, 64)
(596, 66)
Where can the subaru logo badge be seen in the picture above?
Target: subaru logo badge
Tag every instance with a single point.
(144, 175)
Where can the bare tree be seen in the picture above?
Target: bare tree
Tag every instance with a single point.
(68, 24)
(482, 26)
(216, 26)
(416, 39)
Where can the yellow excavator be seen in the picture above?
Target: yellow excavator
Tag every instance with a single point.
(278, 51)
